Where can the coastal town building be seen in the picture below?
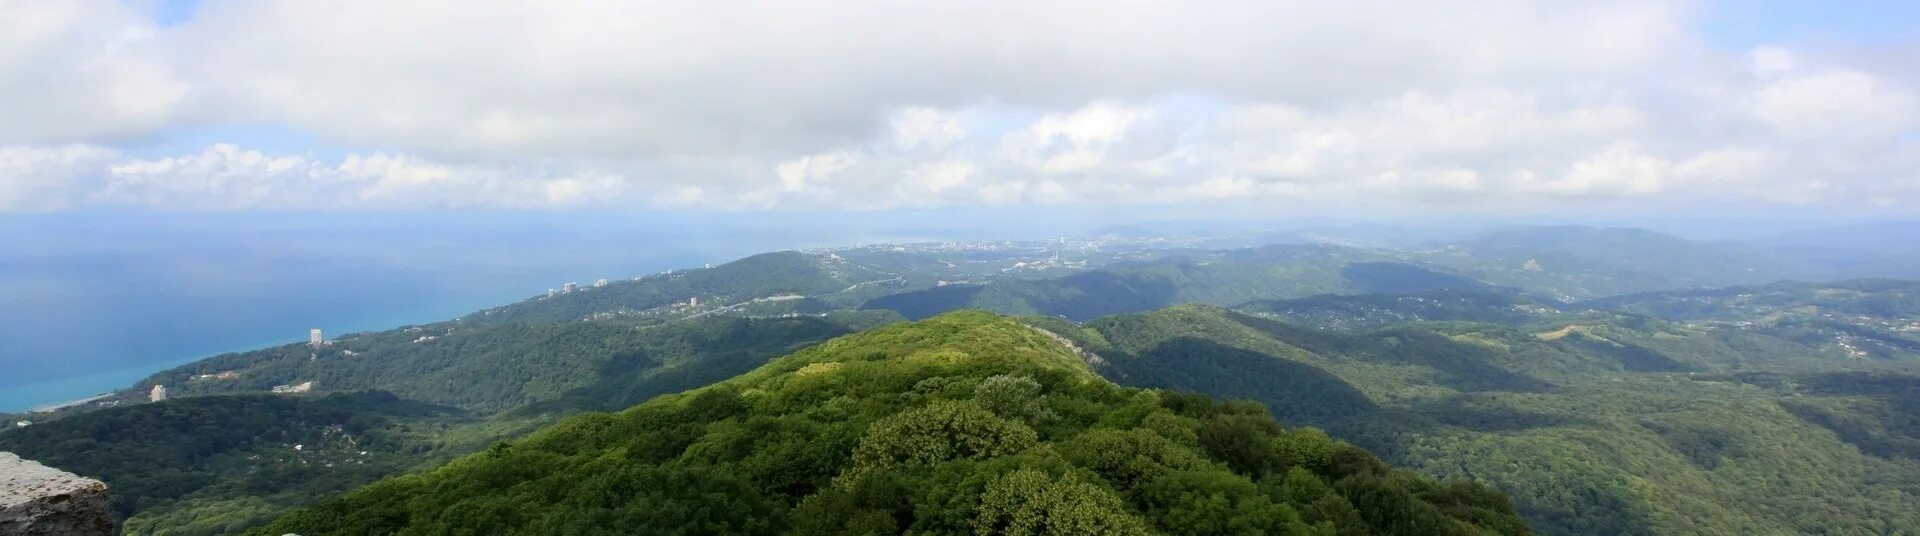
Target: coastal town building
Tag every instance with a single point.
(158, 393)
(294, 388)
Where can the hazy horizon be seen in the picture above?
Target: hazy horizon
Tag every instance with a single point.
(102, 300)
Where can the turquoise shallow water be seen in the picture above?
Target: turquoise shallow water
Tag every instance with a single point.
(33, 395)
(89, 343)
(89, 377)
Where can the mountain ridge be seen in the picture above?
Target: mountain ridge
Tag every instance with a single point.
(966, 422)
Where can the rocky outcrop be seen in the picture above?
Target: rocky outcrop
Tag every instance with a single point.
(39, 500)
(1093, 360)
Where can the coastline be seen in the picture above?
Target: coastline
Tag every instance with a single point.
(68, 404)
(59, 392)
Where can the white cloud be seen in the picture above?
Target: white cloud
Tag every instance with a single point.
(1838, 102)
(599, 78)
(936, 177)
(922, 127)
(1074, 142)
(228, 177)
(1224, 187)
(1727, 166)
(82, 70)
(39, 179)
(795, 174)
(1454, 185)
(1621, 169)
(736, 105)
(1772, 60)
(681, 196)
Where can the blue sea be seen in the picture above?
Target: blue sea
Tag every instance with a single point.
(95, 302)
(91, 302)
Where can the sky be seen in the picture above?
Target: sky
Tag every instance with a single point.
(1480, 107)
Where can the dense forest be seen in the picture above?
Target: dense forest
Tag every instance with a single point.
(1365, 311)
(178, 465)
(1623, 425)
(1878, 298)
(220, 464)
(965, 423)
(783, 272)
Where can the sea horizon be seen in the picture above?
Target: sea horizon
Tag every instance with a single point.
(95, 304)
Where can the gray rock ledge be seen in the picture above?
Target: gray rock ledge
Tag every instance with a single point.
(38, 500)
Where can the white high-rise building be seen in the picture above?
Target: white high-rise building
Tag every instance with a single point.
(568, 288)
(158, 393)
(314, 338)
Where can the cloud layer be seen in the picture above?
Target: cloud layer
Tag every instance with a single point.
(736, 105)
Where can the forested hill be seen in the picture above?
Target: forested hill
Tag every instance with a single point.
(964, 423)
(1220, 278)
(1594, 423)
(830, 279)
(1573, 262)
(1886, 299)
(221, 456)
(1867, 319)
(1548, 265)
(489, 368)
(1364, 311)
